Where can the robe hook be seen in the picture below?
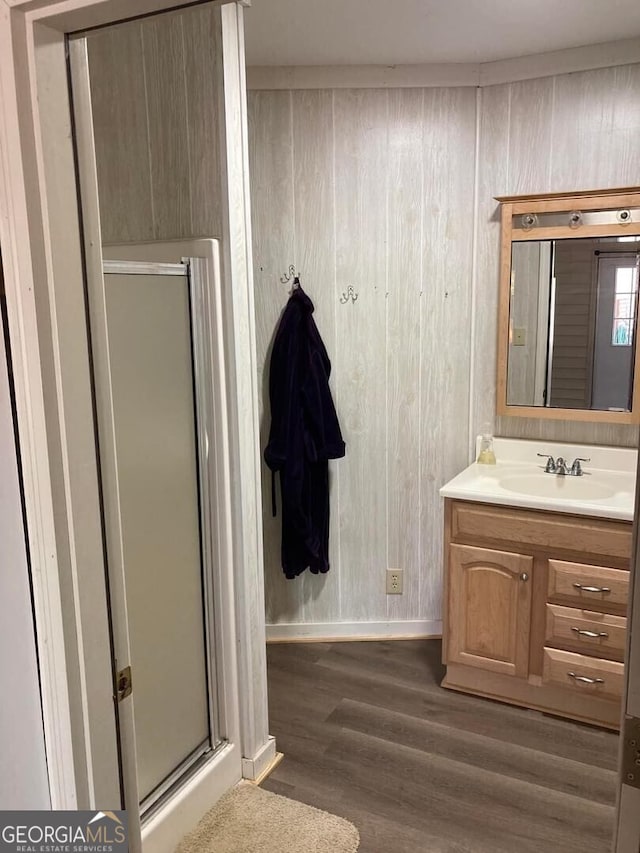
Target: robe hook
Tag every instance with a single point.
(349, 295)
(291, 273)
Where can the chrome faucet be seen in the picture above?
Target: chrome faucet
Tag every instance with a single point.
(550, 467)
(559, 466)
(576, 467)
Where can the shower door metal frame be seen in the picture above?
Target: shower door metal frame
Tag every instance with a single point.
(200, 289)
(196, 275)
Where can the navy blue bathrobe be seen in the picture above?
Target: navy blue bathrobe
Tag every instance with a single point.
(305, 433)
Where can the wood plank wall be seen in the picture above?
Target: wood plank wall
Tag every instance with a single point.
(569, 132)
(370, 188)
(155, 107)
(374, 188)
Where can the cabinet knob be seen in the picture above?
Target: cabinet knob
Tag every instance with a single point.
(524, 576)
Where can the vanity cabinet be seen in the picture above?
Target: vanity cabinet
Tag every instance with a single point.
(535, 608)
(490, 605)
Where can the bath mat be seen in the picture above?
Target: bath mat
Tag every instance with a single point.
(250, 820)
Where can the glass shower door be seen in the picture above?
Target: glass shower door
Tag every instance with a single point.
(157, 515)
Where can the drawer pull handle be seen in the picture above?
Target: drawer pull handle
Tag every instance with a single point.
(584, 588)
(593, 635)
(584, 679)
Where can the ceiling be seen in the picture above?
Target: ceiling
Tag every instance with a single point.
(406, 32)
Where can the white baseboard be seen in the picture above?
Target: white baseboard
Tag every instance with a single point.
(253, 768)
(289, 632)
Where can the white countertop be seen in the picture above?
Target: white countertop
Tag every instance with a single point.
(518, 479)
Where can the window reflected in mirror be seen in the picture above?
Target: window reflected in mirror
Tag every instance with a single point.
(626, 285)
(572, 323)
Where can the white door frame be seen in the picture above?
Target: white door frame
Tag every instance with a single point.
(40, 237)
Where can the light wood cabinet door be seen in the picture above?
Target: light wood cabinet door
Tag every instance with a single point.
(489, 609)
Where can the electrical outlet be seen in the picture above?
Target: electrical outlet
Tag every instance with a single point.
(395, 581)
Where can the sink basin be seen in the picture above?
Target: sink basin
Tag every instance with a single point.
(518, 479)
(554, 486)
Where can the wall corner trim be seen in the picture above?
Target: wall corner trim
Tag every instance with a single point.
(253, 768)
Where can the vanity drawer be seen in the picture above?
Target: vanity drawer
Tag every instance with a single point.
(475, 523)
(574, 629)
(590, 676)
(588, 587)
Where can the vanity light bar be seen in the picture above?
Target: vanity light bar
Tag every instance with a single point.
(576, 218)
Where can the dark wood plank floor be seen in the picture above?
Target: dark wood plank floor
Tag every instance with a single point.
(368, 734)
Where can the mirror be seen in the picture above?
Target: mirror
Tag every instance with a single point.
(568, 306)
(572, 319)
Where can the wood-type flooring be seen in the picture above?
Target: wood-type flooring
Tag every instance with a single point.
(368, 734)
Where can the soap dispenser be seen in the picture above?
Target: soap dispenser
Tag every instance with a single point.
(487, 454)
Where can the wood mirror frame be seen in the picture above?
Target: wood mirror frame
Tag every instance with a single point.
(586, 201)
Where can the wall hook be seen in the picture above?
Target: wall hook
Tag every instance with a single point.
(291, 273)
(349, 295)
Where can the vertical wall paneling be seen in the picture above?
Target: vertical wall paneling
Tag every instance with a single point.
(156, 110)
(592, 120)
(530, 135)
(574, 432)
(312, 136)
(391, 173)
(167, 115)
(626, 121)
(404, 289)
(493, 179)
(202, 46)
(270, 155)
(449, 174)
(570, 132)
(121, 134)
(529, 166)
(361, 179)
(354, 209)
